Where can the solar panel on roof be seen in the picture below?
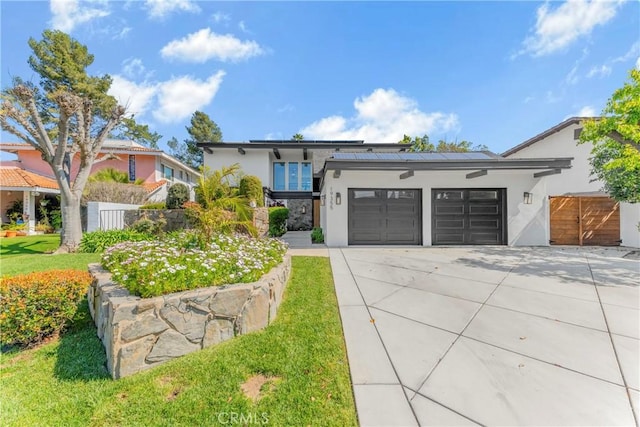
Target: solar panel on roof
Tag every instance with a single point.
(412, 156)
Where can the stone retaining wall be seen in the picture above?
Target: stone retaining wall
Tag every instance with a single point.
(140, 333)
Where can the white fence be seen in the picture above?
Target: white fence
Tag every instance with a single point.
(107, 216)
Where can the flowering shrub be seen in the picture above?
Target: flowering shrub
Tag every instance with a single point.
(37, 305)
(180, 262)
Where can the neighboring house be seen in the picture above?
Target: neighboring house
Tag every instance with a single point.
(580, 213)
(376, 194)
(157, 169)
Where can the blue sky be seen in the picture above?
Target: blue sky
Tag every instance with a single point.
(493, 73)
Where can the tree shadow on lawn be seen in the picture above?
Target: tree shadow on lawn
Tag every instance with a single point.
(80, 354)
(24, 247)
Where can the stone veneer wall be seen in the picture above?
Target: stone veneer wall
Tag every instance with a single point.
(298, 220)
(140, 333)
(261, 221)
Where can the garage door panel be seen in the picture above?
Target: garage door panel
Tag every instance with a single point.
(476, 216)
(449, 238)
(449, 209)
(443, 224)
(484, 223)
(385, 216)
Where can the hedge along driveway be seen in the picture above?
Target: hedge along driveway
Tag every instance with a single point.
(301, 355)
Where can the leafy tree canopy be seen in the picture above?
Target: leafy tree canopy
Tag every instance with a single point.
(202, 129)
(616, 142)
(422, 144)
(297, 137)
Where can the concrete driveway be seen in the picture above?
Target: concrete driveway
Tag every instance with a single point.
(491, 335)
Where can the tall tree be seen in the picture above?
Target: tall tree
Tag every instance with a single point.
(422, 144)
(297, 137)
(202, 129)
(418, 143)
(616, 142)
(66, 118)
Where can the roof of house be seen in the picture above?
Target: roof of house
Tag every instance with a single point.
(150, 187)
(557, 128)
(475, 160)
(304, 144)
(15, 177)
(109, 146)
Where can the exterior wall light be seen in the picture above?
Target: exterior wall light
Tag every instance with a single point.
(303, 210)
(338, 198)
(323, 198)
(528, 198)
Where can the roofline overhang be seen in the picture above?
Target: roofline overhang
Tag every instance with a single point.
(39, 189)
(300, 145)
(449, 165)
(557, 128)
(496, 164)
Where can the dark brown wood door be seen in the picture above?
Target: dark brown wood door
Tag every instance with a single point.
(588, 221)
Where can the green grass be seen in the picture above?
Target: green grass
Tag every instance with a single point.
(19, 255)
(65, 382)
(24, 245)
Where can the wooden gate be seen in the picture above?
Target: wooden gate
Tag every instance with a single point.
(589, 221)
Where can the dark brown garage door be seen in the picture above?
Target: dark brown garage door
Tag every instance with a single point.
(468, 216)
(385, 217)
(584, 221)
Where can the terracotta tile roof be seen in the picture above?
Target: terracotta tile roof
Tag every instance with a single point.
(11, 176)
(150, 187)
(17, 146)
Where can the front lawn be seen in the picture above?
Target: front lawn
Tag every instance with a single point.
(19, 255)
(301, 356)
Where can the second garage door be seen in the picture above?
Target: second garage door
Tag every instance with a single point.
(468, 216)
(385, 217)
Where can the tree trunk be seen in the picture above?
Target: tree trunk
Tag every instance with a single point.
(71, 233)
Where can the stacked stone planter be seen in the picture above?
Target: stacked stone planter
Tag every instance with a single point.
(140, 333)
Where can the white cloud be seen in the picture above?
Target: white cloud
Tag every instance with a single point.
(67, 14)
(132, 67)
(572, 78)
(179, 97)
(160, 9)
(204, 45)
(638, 63)
(219, 17)
(136, 97)
(601, 71)
(382, 116)
(243, 27)
(558, 28)
(632, 53)
(586, 111)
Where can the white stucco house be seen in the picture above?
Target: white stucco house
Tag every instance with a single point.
(379, 194)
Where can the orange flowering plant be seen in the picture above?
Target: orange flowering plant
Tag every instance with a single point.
(35, 306)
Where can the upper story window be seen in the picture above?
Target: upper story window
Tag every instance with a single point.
(292, 176)
(279, 176)
(306, 180)
(181, 174)
(167, 172)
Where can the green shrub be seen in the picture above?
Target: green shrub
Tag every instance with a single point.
(149, 227)
(316, 235)
(278, 221)
(251, 187)
(98, 241)
(37, 305)
(177, 195)
(155, 205)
